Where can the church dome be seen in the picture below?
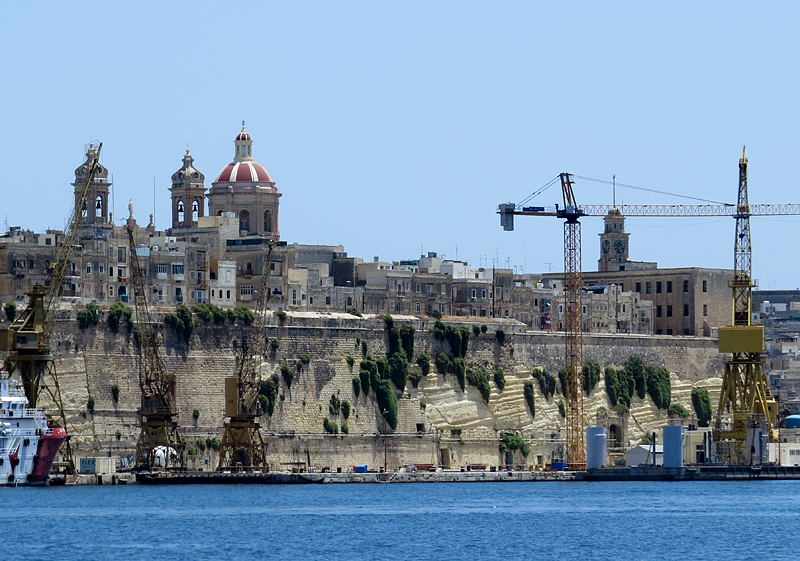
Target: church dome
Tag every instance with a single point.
(245, 172)
(243, 169)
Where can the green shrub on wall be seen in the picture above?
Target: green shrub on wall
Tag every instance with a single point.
(702, 406)
(118, 313)
(356, 386)
(424, 362)
(387, 401)
(528, 390)
(480, 380)
(499, 378)
(591, 375)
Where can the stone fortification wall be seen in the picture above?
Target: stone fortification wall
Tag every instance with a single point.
(438, 422)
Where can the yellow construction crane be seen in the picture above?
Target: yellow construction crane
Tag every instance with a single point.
(159, 439)
(27, 339)
(746, 407)
(242, 444)
(745, 390)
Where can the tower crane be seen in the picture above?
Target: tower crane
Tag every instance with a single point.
(28, 337)
(159, 432)
(745, 390)
(242, 444)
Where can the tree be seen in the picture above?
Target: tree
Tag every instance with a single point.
(528, 390)
(398, 368)
(10, 309)
(89, 316)
(407, 336)
(387, 401)
(702, 406)
(118, 313)
(591, 375)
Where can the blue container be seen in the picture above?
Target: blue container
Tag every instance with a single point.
(361, 469)
(792, 422)
(559, 466)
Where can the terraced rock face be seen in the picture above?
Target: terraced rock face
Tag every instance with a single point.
(426, 413)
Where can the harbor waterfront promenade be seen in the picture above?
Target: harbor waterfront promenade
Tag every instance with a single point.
(641, 473)
(575, 520)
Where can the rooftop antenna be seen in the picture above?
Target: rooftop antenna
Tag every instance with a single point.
(549, 267)
(113, 204)
(614, 188)
(154, 193)
(456, 252)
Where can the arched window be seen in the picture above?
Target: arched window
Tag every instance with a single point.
(98, 207)
(244, 220)
(219, 213)
(181, 212)
(195, 211)
(267, 221)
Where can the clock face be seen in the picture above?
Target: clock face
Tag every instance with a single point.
(606, 246)
(619, 246)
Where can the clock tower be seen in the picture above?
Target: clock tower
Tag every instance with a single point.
(613, 243)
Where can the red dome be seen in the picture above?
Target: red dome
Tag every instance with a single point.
(244, 135)
(243, 172)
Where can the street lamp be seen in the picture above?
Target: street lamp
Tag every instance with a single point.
(385, 412)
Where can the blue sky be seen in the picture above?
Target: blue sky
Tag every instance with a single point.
(396, 128)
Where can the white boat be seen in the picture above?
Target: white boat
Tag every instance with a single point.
(28, 444)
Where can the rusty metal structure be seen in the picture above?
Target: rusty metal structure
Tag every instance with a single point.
(28, 337)
(745, 394)
(159, 438)
(575, 449)
(242, 445)
(746, 406)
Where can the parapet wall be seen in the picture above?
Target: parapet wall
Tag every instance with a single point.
(91, 362)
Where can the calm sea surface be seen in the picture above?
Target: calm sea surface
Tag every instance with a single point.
(647, 520)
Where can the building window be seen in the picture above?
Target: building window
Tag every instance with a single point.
(246, 290)
(120, 255)
(669, 287)
(669, 313)
(705, 309)
(418, 307)
(244, 220)
(101, 268)
(658, 311)
(685, 331)
(177, 268)
(658, 287)
(227, 294)
(705, 286)
(474, 294)
(648, 288)
(267, 221)
(88, 268)
(686, 310)
(483, 293)
(369, 304)
(639, 287)
(669, 332)
(417, 289)
(442, 308)
(161, 268)
(686, 286)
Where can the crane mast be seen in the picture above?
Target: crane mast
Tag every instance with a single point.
(159, 433)
(28, 337)
(746, 407)
(242, 444)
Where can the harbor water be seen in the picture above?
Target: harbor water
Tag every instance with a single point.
(564, 520)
